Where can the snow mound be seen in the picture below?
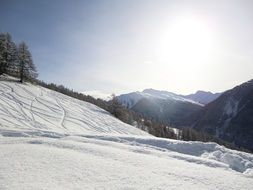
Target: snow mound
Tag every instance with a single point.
(235, 160)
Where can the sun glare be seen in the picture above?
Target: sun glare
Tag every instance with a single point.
(186, 41)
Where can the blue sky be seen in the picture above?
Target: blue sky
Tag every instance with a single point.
(121, 46)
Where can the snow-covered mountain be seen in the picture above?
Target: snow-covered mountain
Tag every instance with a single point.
(202, 97)
(130, 99)
(52, 141)
(163, 106)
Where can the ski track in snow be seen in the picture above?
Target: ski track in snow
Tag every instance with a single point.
(63, 114)
(39, 108)
(51, 141)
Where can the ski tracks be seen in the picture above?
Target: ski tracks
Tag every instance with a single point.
(63, 113)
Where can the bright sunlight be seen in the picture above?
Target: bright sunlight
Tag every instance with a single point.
(186, 41)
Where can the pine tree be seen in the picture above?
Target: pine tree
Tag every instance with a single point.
(27, 69)
(8, 54)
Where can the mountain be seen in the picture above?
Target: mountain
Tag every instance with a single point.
(202, 97)
(230, 117)
(52, 141)
(130, 99)
(97, 94)
(162, 106)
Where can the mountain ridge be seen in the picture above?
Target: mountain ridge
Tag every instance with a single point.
(134, 97)
(161, 106)
(203, 97)
(229, 117)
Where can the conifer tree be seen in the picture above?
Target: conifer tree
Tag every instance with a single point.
(8, 54)
(27, 69)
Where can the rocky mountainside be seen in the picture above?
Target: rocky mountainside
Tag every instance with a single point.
(230, 116)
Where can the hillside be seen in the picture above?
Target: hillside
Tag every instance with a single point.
(51, 141)
(27, 108)
(230, 117)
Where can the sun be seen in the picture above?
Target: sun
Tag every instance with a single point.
(186, 40)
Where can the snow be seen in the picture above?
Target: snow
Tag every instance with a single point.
(168, 95)
(231, 107)
(51, 141)
(98, 94)
(112, 162)
(28, 107)
(130, 99)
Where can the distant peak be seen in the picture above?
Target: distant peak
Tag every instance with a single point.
(203, 92)
(150, 90)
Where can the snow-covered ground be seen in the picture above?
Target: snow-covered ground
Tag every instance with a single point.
(25, 107)
(51, 141)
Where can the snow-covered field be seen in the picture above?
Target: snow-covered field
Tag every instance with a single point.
(51, 141)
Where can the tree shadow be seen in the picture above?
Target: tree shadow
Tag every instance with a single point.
(8, 78)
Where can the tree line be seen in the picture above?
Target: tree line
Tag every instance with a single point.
(16, 59)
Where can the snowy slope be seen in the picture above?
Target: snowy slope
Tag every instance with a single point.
(27, 107)
(51, 141)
